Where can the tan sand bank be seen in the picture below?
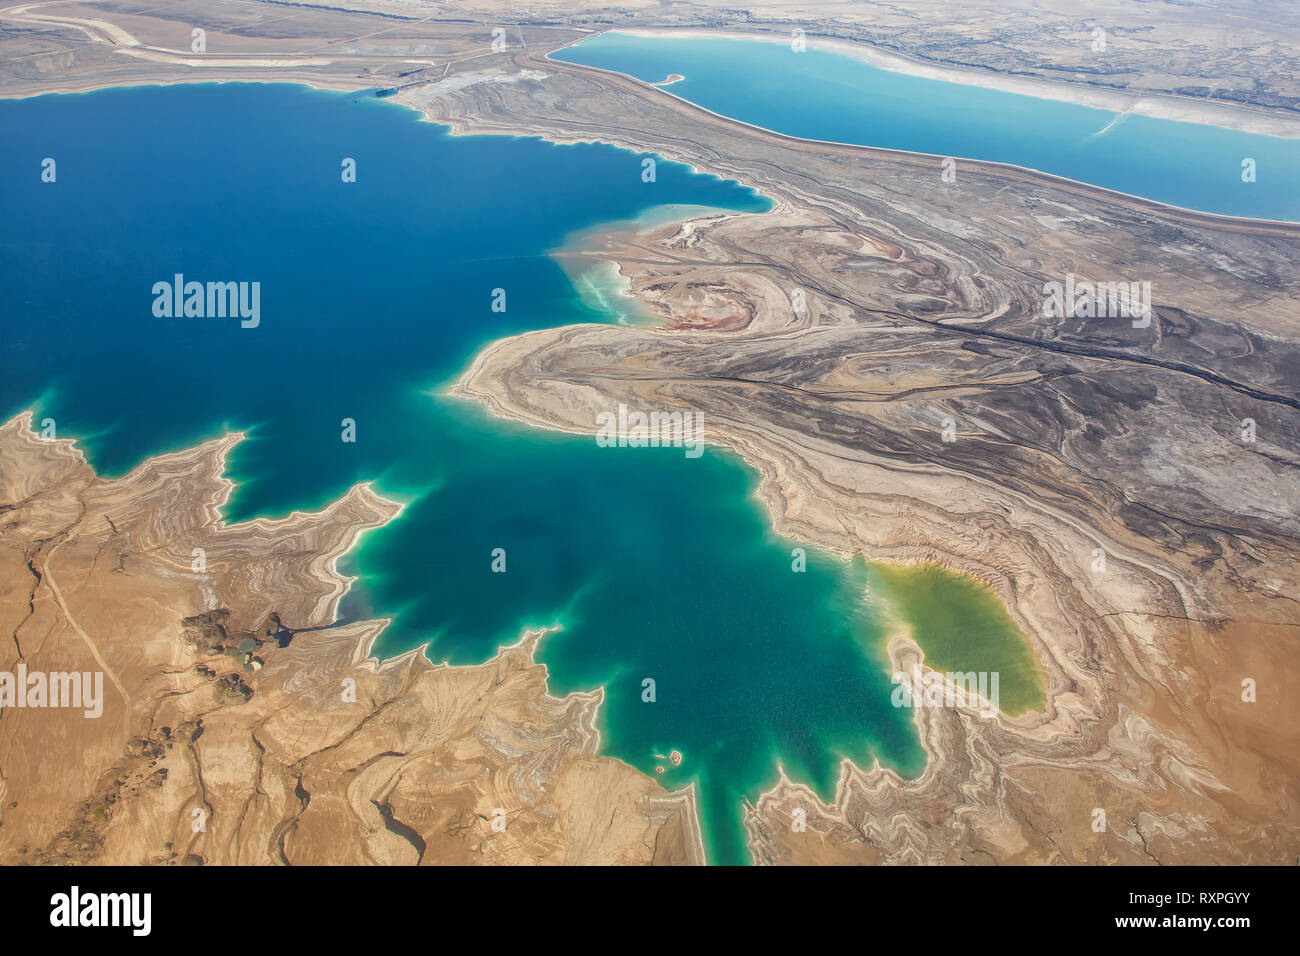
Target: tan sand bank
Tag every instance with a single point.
(239, 725)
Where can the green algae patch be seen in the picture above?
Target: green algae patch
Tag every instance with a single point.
(962, 626)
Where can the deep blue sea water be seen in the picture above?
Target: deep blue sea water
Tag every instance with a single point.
(374, 296)
(818, 94)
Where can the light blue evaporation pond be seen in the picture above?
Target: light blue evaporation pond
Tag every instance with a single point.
(375, 295)
(819, 94)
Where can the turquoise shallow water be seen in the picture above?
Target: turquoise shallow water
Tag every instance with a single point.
(374, 296)
(822, 95)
